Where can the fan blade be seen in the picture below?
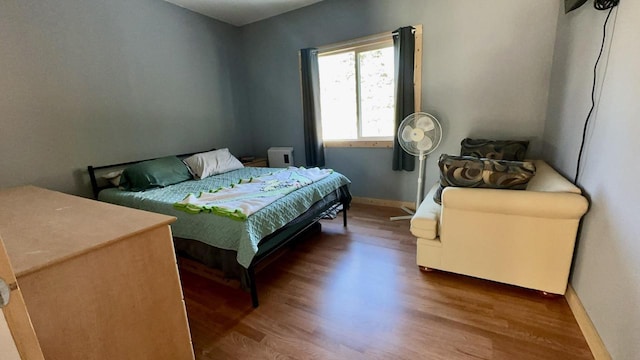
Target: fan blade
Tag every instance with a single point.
(406, 133)
(425, 144)
(425, 123)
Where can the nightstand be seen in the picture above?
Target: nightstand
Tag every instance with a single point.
(257, 162)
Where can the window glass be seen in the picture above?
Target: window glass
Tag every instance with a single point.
(357, 93)
(338, 96)
(376, 92)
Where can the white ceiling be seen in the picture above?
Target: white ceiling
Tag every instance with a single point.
(242, 12)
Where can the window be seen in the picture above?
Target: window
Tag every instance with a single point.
(357, 92)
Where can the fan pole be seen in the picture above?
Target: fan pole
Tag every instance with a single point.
(420, 195)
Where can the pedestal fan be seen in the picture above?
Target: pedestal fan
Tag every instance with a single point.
(419, 135)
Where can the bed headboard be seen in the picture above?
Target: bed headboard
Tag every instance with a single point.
(98, 185)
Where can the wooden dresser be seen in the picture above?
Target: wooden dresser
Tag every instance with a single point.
(99, 281)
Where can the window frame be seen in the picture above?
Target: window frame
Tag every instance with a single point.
(369, 43)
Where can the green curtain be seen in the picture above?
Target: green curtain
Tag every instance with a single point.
(404, 44)
(310, 77)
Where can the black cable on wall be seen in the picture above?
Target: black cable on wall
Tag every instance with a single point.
(599, 5)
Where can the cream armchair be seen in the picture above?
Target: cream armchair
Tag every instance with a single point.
(519, 237)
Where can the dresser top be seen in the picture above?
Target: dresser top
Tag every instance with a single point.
(42, 227)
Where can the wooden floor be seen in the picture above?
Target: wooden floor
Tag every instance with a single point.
(356, 293)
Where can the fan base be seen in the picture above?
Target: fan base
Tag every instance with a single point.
(403, 217)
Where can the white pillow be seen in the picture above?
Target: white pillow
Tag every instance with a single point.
(210, 163)
(113, 177)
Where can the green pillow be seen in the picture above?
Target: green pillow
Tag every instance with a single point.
(154, 173)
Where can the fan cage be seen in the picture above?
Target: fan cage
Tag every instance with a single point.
(416, 136)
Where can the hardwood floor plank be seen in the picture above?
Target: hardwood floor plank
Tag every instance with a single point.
(356, 293)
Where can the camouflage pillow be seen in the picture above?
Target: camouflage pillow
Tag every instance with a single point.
(514, 150)
(468, 171)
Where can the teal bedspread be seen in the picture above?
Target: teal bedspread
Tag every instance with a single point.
(223, 232)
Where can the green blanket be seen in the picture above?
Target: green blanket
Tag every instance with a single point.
(224, 232)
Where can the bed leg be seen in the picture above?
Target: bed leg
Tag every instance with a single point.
(344, 215)
(252, 286)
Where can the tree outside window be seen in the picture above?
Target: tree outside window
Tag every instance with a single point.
(357, 92)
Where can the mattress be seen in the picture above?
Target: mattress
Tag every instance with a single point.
(219, 231)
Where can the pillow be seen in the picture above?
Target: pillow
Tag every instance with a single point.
(154, 173)
(468, 171)
(514, 150)
(210, 163)
(113, 177)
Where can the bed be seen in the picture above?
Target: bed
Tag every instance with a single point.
(234, 246)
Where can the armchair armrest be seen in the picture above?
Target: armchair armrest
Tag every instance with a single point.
(424, 224)
(552, 205)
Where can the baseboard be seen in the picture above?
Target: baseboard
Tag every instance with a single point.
(383, 202)
(589, 331)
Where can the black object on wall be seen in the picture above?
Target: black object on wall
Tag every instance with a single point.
(570, 5)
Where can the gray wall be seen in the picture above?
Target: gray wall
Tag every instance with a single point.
(486, 68)
(606, 273)
(98, 82)
(94, 82)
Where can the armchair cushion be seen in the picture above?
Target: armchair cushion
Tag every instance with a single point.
(513, 150)
(468, 171)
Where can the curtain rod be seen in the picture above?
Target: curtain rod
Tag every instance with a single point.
(355, 42)
(360, 41)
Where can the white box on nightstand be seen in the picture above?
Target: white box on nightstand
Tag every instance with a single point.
(280, 157)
